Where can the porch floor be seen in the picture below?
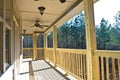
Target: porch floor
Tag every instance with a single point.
(40, 70)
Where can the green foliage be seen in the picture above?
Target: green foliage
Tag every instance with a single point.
(103, 37)
(72, 33)
(27, 41)
(50, 40)
(40, 41)
(108, 36)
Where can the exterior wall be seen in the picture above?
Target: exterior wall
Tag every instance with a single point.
(8, 20)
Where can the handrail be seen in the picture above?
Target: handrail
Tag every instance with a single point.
(32, 48)
(27, 48)
(107, 53)
(77, 51)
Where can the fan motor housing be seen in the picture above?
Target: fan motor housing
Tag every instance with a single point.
(37, 24)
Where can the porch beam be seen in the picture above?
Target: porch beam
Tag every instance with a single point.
(92, 61)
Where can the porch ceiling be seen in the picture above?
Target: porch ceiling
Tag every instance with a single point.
(29, 13)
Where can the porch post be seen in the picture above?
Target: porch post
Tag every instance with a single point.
(55, 42)
(45, 44)
(34, 46)
(92, 61)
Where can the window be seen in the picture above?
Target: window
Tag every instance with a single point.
(71, 34)
(27, 41)
(50, 40)
(7, 47)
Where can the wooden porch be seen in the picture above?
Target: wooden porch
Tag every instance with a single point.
(51, 63)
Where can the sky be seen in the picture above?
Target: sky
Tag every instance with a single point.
(106, 9)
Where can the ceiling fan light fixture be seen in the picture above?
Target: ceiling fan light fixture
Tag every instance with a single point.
(24, 31)
(41, 9)
(62, 1)
(36, 0)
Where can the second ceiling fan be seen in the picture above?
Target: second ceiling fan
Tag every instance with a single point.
(37, 24)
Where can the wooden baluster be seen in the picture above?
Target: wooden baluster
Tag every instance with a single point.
(113, 69)
(81, 66)
(75, 64)
(119, 67)
(66, 60)
(69, 62)
(72, 62)
(102, 67)
(107, 68)
(84, 68)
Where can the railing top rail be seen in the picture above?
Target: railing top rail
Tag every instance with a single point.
(76, 51)
(107, 53)
(40, 48)
(27, 48)
(71, 49)
(32, 48)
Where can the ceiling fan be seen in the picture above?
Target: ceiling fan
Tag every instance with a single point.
(37, 24)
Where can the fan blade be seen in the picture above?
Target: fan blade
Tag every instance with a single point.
(32, 26)
(40, 26)
(44, 25)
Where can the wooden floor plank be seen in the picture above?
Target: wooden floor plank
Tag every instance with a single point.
(44, 71)
(40, 70)
(24, 70)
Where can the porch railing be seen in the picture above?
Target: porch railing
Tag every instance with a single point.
(28, 53)
(109, 64)
(49, 54)
(40, 53)
(74, 61)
